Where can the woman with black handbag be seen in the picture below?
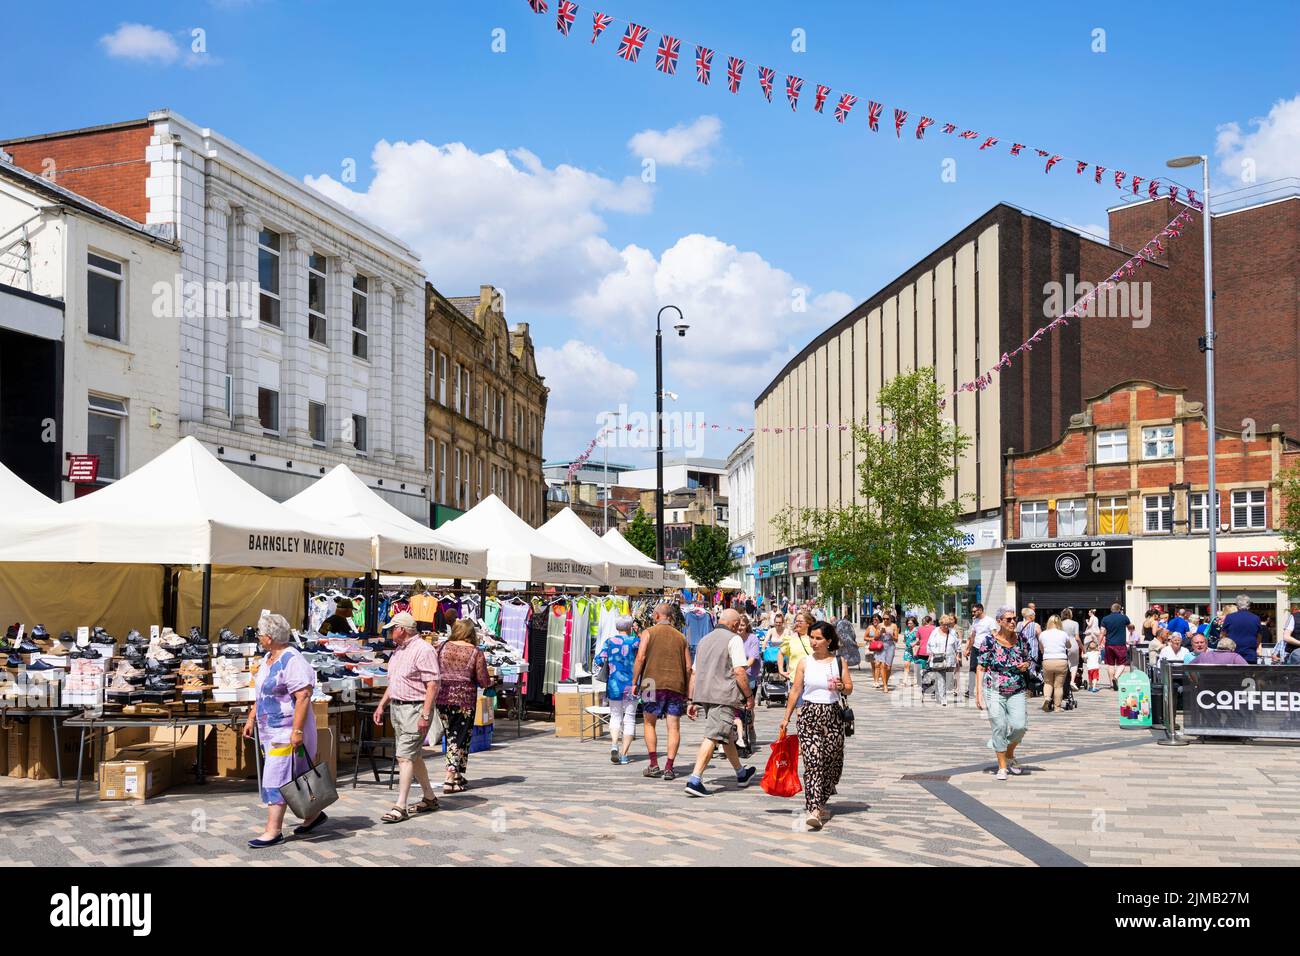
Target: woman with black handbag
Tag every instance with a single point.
(943, 645)
(823, 682)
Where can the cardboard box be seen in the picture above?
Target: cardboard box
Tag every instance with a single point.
(571, 704)
(574, 725)
(228, 754)
(16, 749)
(41, 762)
(123, 737)
(136, 773)
(327, 750)
(484, 711)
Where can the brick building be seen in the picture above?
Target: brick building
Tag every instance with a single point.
(486, 409)
(1118, 508)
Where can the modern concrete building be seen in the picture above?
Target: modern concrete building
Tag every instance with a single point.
(740, 482)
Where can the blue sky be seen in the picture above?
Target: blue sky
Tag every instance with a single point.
(749, 204)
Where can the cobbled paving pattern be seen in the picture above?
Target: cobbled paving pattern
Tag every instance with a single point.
(1093, 794)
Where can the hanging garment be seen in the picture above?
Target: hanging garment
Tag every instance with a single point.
(566, 666)
(492, 617)
(514, 626)
(538, 639)
(320, 609)
(698, 623)
(423, 607)
(359, 612)
(557, 618)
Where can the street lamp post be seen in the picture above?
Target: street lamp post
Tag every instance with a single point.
(1207, 346)
(681, 328)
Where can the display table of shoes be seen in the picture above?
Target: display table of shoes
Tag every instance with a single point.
(233, 666)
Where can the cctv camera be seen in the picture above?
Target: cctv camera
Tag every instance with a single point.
(681, 330)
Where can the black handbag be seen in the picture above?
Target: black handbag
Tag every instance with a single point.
(846, 716)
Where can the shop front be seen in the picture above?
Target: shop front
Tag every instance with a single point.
(983, 578)
(1079, 573)
(1174, 573)
(802, 577)
(774, 577)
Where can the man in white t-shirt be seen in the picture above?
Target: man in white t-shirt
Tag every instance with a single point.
(982, 628)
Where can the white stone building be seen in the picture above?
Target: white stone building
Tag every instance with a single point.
(301, 325)
(120, 393)
(740, 484)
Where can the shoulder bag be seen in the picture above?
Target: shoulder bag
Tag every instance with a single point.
(311, 791)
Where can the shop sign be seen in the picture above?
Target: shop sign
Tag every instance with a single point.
(83, 469)
(979, 535)
(1071, 560)
(1247, 561)
(738, 551)
(1228, 701)
(763, 569)
(800, 562)
(781, 566)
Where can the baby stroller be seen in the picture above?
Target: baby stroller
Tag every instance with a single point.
(772, 687)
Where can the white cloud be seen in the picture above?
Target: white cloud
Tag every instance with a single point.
(141, 42)
(1093, 230)
(689, 145)
(584, 382)
(1270, 150)
(500, 216)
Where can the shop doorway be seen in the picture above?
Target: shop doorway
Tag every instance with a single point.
(1051, 598)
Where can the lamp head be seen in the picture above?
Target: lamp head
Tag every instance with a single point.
(681, 328)
(1182, 161)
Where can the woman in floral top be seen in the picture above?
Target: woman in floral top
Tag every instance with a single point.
(462, 671)
(1000, 689)
(619, 655)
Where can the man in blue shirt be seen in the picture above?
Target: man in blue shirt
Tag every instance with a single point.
(1116, 626)
(1179, 625)
(1242, 625)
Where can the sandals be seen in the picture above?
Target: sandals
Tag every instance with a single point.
(454, 788)
(427, 805)
(396, 815)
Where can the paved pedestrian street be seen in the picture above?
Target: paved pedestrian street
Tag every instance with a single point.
(918, 789)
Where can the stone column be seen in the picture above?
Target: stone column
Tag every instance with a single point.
(245, 333)
(381, 375)
(407, 408)
(220, 302)
(295, 362)
(338, 385)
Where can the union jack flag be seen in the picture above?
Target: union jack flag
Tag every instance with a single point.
(1080, 166)
(792, 87)
(1193, 201)
(703, 63)
(1153, 188)
(1137, 180)
(820, 99)
(922, 126)
(1050, 163)
(900, 117)
(1119, 179)
(843, 107)
(598, 24)
(1042, 152)
(1097, 176)
(967, 134)
(1016, 148)
(735, 67)
(565, 15)
(539, 6)
(666, 56)
(873, 115)
(991, 141)
(766, 77)
(629, 48)
(1173, 195)
(950, 127)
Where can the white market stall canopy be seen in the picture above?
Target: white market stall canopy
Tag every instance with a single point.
(183, 508)
(621, 546)
(17, 495)
(571, 533)
(726, 584)
(401, 545)
(515, 550)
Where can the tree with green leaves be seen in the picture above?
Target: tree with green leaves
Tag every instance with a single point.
(1291, 531)
(706, 557)
(640, 534)
(900, 542)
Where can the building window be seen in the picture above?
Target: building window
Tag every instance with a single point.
(1248, 509)
(268, 276)
(268, 409)
(466, 392)
(316, 422)
(455, 386)
(1158, 514)
(1071, 518)
(317, 273)
(1033, 519)
(478, 493)
(442, 472)
(1112, 446)
(1198, 510)
(1158, 442)
(442, 379)
(103, 297)
(360, 299)
(106, 435)
(359, 433)
(1112, 516)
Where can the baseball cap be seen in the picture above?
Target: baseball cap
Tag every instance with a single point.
(403, 619)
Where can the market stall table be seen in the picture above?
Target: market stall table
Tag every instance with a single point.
(53, 714)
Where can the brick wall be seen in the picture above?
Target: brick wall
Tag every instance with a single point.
(106, 166)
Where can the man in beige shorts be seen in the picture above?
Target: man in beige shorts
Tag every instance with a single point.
(410, 696)
(720, 684)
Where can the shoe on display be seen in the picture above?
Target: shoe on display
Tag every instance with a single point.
(135, 637)
(193, 685)
(14, 661)
(102, 636)
(39, 633)
(27, 647)
(194, 652)
(230, 650)
(250, 635)
(133, 652)
(156, 683)
(157, 653)
(155, 666)
(40, 666)
(196, 636)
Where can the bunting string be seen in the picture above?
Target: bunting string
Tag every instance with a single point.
(635, 37)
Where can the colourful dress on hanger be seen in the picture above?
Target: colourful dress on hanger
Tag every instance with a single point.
(557, 617)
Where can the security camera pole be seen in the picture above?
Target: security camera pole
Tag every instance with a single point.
(659, 424)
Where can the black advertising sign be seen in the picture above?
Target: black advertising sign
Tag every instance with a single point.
(1227, 701)
(1069, 561)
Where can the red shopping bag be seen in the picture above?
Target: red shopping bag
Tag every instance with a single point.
(781, 778)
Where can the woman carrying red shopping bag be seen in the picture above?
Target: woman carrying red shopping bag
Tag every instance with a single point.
(822, 681)
(781, 777)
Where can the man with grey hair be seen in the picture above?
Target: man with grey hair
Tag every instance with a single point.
(412, 691)
(720, 684)
(661, 675)
(1243, 626)
(617, 658)
(1224, 653)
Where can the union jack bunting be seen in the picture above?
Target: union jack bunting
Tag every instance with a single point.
(703, 63)
(1080, 166)
(1173, 197)
(666, 56)
(950, 127)
(1192, 201)
(820, 99)
(967, 134)
(598, 24)
(564, 16)
(766, 77)
(1137, 180)
(1152, 188)
(991, 141)
(843, 107)
(900, 117)
(629, 48)
(1050, 163)
(1100, 170)
(539, 6)
(1119, 179)
(1016, 148)
(1042, 152)
(735, 67)
(792, 87)
(873, 115)
(922, 126)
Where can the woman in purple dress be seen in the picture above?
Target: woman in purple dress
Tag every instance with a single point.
(286, 725)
